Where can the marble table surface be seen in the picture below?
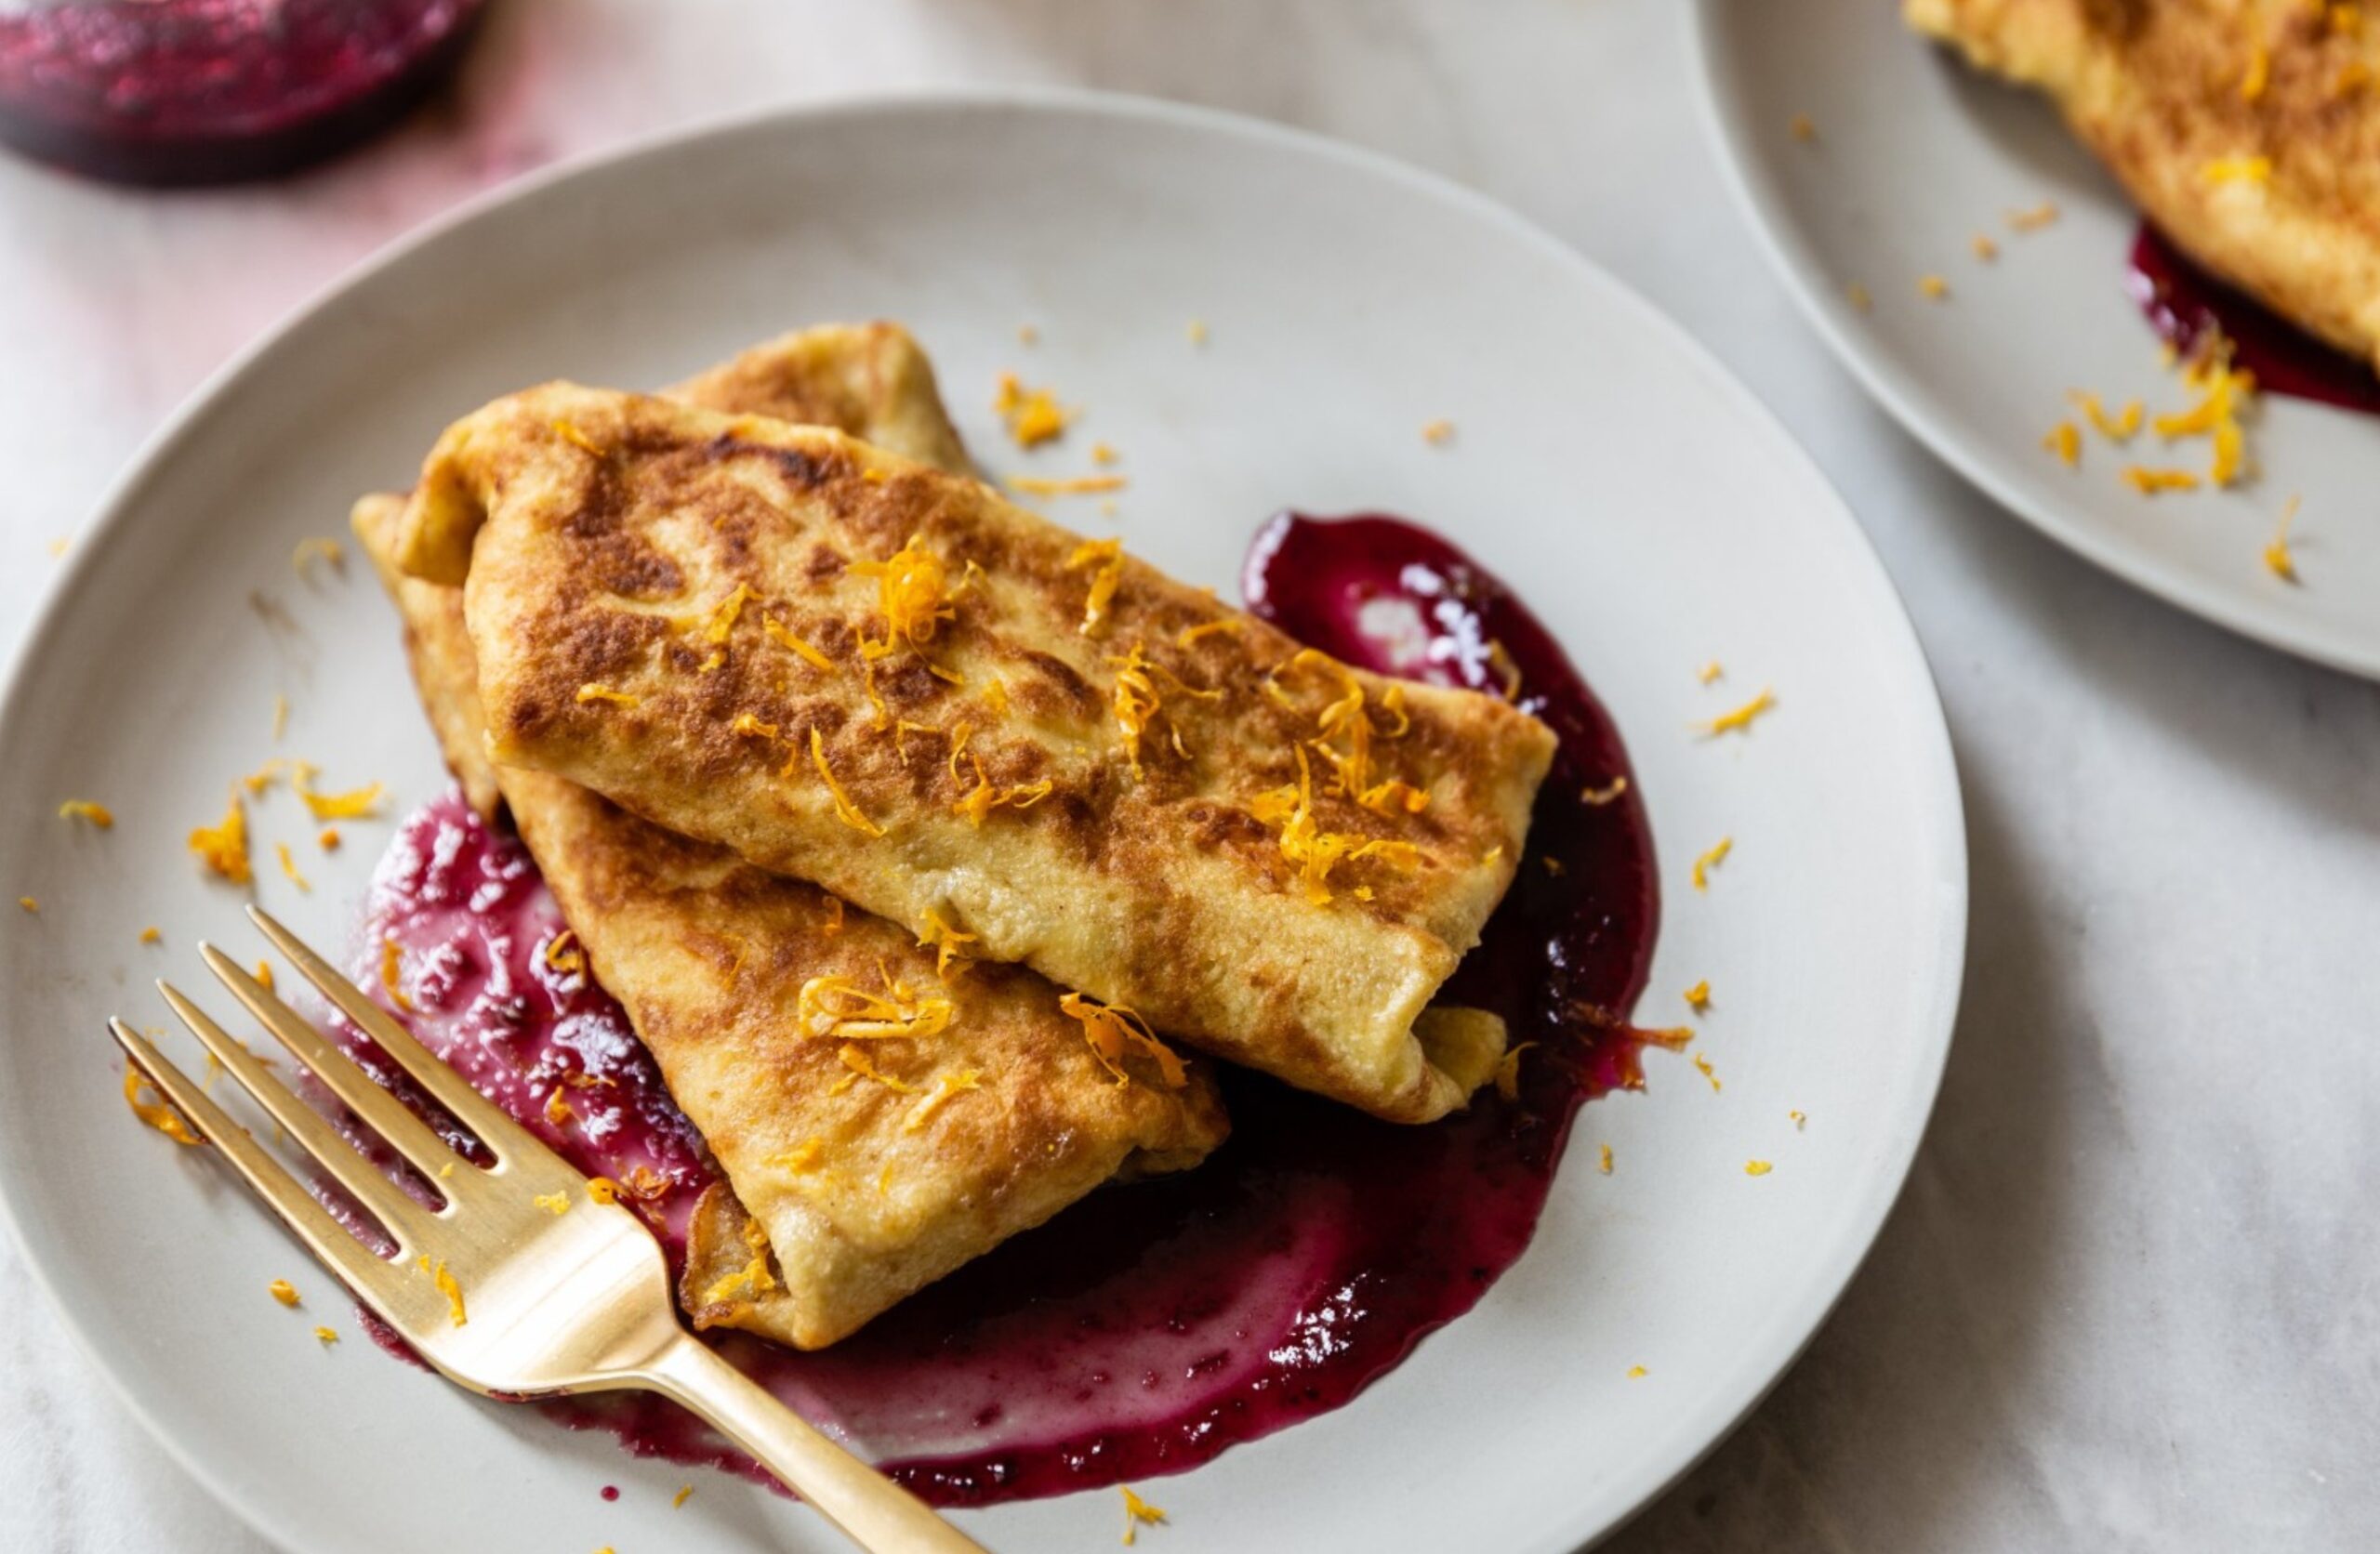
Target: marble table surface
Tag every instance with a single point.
(2131, 1298)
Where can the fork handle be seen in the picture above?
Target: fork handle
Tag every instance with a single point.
(868, 1507)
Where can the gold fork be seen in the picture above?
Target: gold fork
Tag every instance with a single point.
(501, 1293)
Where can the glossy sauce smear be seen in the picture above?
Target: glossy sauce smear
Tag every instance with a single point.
(1153, 1325)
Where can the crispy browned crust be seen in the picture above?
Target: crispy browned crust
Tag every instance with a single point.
(861, 1198)
(872, 380)
(1161, 889)
(2155, 87)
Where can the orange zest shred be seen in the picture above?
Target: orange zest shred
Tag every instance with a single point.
(328, 838)
(1138, 1512)
(2065, 440)
(1106, 558)
(1345, 719)
(978, 802)
(1069, 485)
(1437, 434)
(289, 866)
(1932, 288)
(558, 1111)
(563, 955)
(838, 1006)
(1698, 998)
(1604, 1165)
(2258, 76)
(28, 903)
(602, 1189)
(1741, 718)
(224, 847)
(553, 1203)
(591, 692)
(1983, 248)
(1711, 860)
(82, 809)
(1801, 129)
(1312, 849)
(845, 810)
(1508, 1071)
(1637, 1373)
(1799, 1119)
(776, 631)
(2224, 392)
(1034, 415)
(1757, 1167)
(282, 1291)
(753, 1279)
(264, 975)
(746, 724)
(2118, 427)
(157, 1114)
(1703, 1066)
(445, 1280)
(1710, 671)
(391, 978)
(945, 941)
(151, 935)
(856, 1060)
(1189, 635)
(2035, 219)
(912, 593)
(945, 1087)
(1509, 672)
(318, 550)
(327, 1336)
(723, 619)
(1611, 793)
(802, 1158)
(2148, 483)
(1112, 1029)
(833, 922)
(2277, 559)
(2237, 169)
(577, 439)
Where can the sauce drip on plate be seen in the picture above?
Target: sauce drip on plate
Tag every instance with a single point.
(2184, 302)
(1153, 1325)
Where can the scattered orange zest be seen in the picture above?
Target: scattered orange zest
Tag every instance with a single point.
(1033, 415)
(1741, 718)
(1108, 557)
(224, 847)
(838, 1006)
(157, 1114)
(1072, 485)
(82, 809)
(594, 692)
(845, 810)
(1710, 860)
(1111, 1029)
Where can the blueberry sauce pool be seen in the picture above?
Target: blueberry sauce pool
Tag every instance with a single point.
(1153, 1325)
(2184, 303)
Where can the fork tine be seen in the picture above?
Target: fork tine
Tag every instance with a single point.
(510, 1141)
(373, 1281)
(399, 1215)
(385, 1113)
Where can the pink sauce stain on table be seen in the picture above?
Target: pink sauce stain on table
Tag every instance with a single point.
(1155, 1324)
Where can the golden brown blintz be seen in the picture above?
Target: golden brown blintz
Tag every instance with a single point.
(872, 380)
(858, 669)
(849, 1187)
(2248, 130)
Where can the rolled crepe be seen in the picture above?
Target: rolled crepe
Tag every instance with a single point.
(859, 1167)
(858, 669)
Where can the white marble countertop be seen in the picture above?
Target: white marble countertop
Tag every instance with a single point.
(2131, 1298)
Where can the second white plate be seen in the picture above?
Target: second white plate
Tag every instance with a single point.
(1913, 155)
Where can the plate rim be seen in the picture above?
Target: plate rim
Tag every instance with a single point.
(1942, 814)
(1920, 412)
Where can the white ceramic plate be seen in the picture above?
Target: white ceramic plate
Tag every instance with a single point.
(1914, 156)
(1648, 507)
